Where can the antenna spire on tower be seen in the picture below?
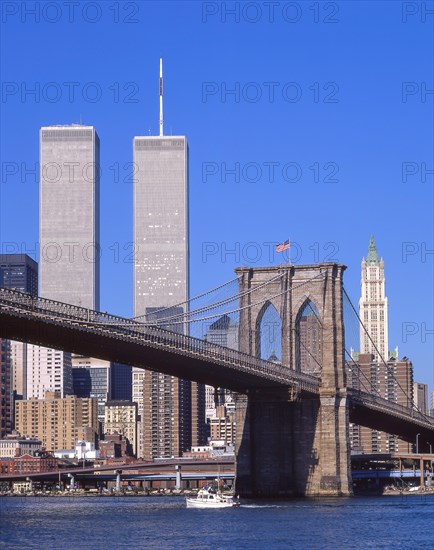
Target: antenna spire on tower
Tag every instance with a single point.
(161, 96)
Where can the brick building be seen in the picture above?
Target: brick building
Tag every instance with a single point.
(223, 427)
(114, 446)
(392, 381)
(41, 461)
(57, 422)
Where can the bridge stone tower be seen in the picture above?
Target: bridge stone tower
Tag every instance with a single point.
(292, 442)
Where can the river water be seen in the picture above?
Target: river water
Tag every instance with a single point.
(94, 523)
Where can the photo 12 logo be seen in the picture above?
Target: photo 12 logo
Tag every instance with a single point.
(267, 253)
(13, 172)
(416, 91)
(69, 252)
(269, 92)
(69, 92)
(418, 12)
(419, 330)
(269, 172)
(415, 251)
(70, 11)
(415, 172)
(270, 12)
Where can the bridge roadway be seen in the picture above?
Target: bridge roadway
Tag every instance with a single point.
(79, 330)
(223, 467)
(190, 468)
(87, 332)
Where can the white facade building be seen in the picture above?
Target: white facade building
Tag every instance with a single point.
(83, 450)
(48, 370)
(373, 306)
(18, 446)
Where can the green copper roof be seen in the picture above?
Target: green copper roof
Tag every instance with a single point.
(372, 251)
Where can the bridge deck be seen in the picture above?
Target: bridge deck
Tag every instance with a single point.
(79, 330)
(87, 332)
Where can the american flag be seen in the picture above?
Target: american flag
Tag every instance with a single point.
(283, 246)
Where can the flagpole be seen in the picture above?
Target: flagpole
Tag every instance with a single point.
(281, 247)
(289, 253)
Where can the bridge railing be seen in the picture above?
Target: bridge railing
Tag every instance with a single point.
(154, 335)
(369, 399)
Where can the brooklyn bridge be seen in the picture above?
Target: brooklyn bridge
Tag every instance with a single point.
(294, 413)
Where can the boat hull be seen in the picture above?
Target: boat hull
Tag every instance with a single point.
(196, 503)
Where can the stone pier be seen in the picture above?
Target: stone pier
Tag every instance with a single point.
(291, 443)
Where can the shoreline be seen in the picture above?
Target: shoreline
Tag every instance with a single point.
(183, 494)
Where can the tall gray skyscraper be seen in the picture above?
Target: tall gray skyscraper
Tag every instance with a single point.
(160, 222)
(68, 239)
(69, 215)
(161, 278)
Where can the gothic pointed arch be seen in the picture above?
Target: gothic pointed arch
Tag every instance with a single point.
(268, 333)
(308, 339)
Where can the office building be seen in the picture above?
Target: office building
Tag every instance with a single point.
(19, 272)
(420, 394)
(91, 378)
(69, 259)
(373, 306)
(48, 370)
(6, 420)
(161, 280)
(199, 431)
(223, 332)
(223, 426)
(392, 381)
(375, 369)
(308, 343)
(58, 422)
(121, 418)
(15, 445)
(120, 382)
(101, 379)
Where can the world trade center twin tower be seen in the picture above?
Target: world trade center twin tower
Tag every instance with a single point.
(170, 409)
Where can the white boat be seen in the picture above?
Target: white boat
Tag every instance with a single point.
(209, 498)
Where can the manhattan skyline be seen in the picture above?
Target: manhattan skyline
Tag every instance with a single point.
(345, 120)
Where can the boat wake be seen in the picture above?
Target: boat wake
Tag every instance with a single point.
(263, 506)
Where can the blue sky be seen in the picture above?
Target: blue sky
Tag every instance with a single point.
(333, 96)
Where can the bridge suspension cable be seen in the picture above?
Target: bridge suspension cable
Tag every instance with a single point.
(200, 325)
(188, 313)
(189, 301)
(373, 383)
